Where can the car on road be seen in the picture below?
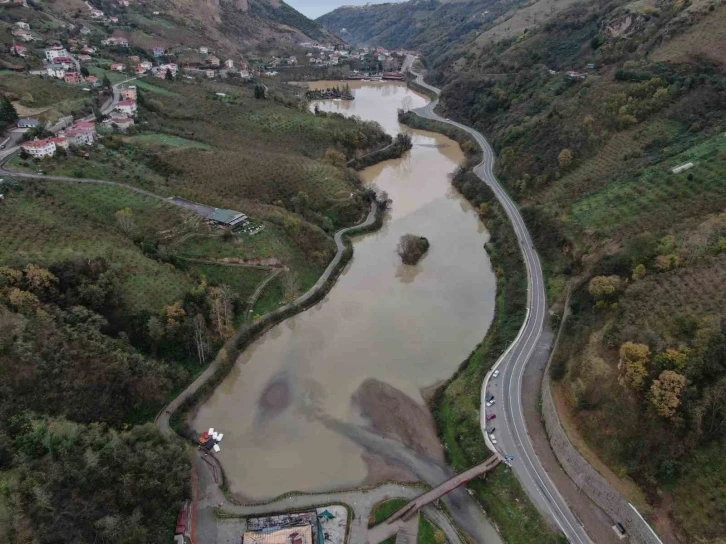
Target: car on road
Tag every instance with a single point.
(491, 430)
(490, 403)
(493, 439)
(491, 416)
(490, 397)
(495, 374)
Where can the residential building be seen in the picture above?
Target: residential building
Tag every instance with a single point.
(23, 24)
(73, 78)
(127, 106)
(82, 133)
(117, 41)
(39, 148)
(56, 51)
(119, 121)
(244, 74)
(229, 63)
(292, 59)
(19, 50)
(159, 52)
(214, 61)
(117, 67)
(28, 122)
(161, 70)
(60, 141)
(88, 49)
(210, 73)
(85, 58)
(93, 81)
(204, 50)
(113, 19)
(56, 70)
(22, 34)
(134, 58)
(128, 93)
(66, 62)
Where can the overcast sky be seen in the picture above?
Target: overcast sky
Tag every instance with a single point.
(316, 8)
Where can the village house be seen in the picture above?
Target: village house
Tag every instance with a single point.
(65, 62)
(56, 51)
(161, 70)
(39, 148)
(159, 51)
(93, 81)
(118, 41)
(117, 67)
(28, 122)
(82, 133)
(244, 74)
(134, 58)
(23, 24)
(22, 34)
(128, 93)
(292, 59)
(85, 58)
(127, 106)
(19, 50)
(229, 63)
(73, 78)
(119, 121)
(60, 141)
(113, 19)
(88, 49)
(56, 70)
(204, 50)
(210, 73)
(214, 61)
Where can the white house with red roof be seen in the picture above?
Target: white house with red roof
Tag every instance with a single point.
(117, 67)
(19, 50)
(39, 148)
(127, 106)
(82, 133)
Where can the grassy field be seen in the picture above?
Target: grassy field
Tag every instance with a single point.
(656, 198)
(39, 93)
(156, 140)
(384, 510)
(46, 223)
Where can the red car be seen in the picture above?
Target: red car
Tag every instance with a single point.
(491, 416)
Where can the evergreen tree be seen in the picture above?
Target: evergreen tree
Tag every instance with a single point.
(106, 82)
(168, 75)
(8, 114)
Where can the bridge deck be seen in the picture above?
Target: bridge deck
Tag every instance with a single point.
(443, 488)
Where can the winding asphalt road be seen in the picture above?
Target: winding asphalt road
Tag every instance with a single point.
(513, 439)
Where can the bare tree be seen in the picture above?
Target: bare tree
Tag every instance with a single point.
(125, 220)
(200, 338)
(220, 306)
(290, 286)
(406, 104)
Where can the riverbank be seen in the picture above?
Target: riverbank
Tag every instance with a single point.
(174, 416)
(455, 404)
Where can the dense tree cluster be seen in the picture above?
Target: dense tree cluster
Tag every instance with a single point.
(72, 384)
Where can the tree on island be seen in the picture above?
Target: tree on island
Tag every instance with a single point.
(411, 248)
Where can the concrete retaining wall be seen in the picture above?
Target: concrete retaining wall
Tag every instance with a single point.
(588, 479)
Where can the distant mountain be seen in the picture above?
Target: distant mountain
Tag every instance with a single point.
(231, 26)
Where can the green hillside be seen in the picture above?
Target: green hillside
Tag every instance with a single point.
(589, 106)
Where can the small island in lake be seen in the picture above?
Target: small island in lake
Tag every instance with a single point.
(342, 93)
(411, 248)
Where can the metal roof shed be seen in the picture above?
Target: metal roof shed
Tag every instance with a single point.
(230, 218)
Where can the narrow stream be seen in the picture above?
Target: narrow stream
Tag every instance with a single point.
(407, 326)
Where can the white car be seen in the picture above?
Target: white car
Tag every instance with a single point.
(493, 439)
(490, 403)
(495, 374)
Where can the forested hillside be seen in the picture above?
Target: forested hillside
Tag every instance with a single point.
(589, 106)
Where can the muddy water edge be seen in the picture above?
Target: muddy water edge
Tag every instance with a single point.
(384, 334)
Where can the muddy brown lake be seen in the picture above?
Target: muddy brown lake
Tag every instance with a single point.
(408, 327)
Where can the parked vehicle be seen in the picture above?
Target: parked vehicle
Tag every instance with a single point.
(491, 431)
(491, 416)
(495, 373)
(490, 403)
(490, 397)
